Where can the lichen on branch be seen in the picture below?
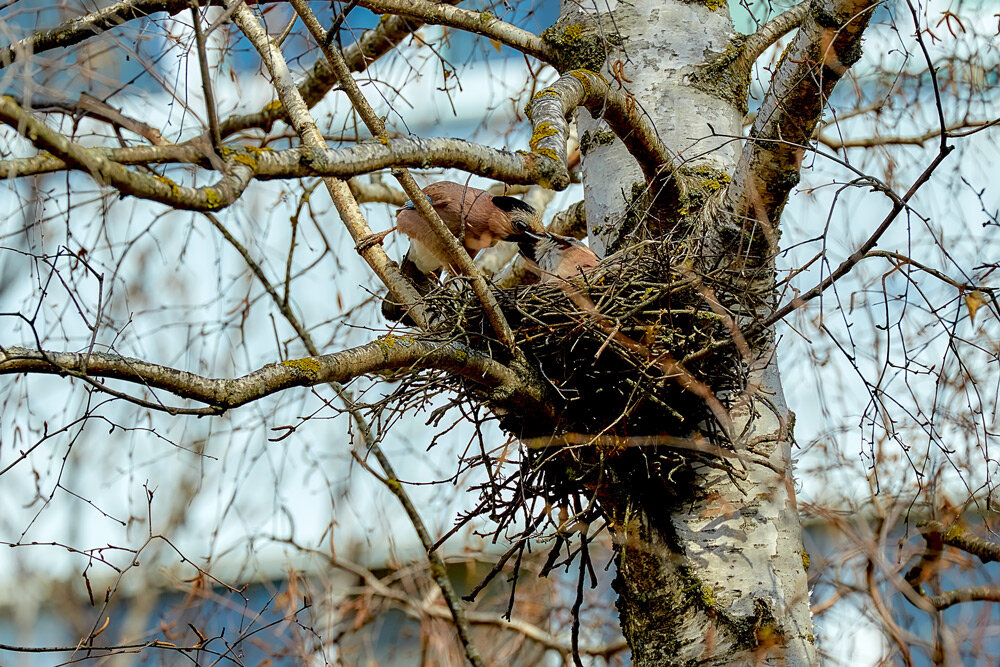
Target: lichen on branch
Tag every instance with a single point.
(235, 177)
(388, 353)
(551, 107)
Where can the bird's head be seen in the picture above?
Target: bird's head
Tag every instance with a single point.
(558, 256)
(524, 221)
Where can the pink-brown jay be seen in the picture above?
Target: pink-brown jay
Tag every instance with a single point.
(478, 219)
(556, 257)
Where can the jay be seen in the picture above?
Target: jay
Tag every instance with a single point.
(556, 257)
(478, 219)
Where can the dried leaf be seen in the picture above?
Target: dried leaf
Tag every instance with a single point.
(973, 300)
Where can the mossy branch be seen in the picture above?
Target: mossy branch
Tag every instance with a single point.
(827, 44)
(549, 111)
(221, 394)
(355, 160)
(223, 193)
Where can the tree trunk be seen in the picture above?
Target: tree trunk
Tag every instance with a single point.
(715, 573)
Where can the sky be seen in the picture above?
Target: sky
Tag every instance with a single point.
(174, 291)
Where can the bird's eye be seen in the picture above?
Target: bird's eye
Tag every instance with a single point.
(520, 225)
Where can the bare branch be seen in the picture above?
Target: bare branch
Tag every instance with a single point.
(309, 134)
(838, 143)
(220, 195)
(959, 595)
(84, 27)
(483, 23)
(371, 46)
(385, 354)
(900, 259)
(355, 160)
(206, 79)
(827, 44)
(376, 126)
(769, 33)
(898, 204)
(520, 626)
(91, 107)
(376, 192)
(937, 535)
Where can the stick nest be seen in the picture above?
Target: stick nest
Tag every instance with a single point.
(628, 353)
(625, 349)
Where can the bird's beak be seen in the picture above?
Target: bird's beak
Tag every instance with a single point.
(526, 236)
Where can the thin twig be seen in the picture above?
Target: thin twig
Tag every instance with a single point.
(898, 204)
(206, 80)
(376, 126)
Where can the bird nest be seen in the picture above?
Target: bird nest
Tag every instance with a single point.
(639, 347)
(642, 351)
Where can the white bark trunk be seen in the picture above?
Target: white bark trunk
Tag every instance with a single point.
(740, 547)
(664, 41)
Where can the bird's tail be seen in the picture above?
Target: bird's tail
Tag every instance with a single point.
(424, 282)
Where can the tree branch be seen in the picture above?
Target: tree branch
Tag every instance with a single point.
(220, 195)
(571, 222)
(955, 536)
(346, 162)
(385, 354)
(372, 45)
(91, 107)
(549, 111)
(376, 192)
(898, 204)
(957, 596)
(309, 135)
(937, 535)
(206, 79)
(827, 44)
(769, 33)
(482, 23)
(523, 627)
(90, 25)
(459, 257)
(838, 143)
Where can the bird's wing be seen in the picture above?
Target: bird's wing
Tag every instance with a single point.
(442, 193)
(410, 206)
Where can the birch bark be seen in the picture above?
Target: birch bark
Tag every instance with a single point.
(716, 576)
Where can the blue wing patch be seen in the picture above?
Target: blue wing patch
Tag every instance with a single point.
(410, 205)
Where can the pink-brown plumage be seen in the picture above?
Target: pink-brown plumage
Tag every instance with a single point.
(477, 219)
(556, 257)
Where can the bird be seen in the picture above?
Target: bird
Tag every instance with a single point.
(556, 257)
(477, 219)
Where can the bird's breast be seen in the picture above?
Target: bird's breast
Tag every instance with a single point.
(424, 257)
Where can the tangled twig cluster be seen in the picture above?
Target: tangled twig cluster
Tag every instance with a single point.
(634, 355)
